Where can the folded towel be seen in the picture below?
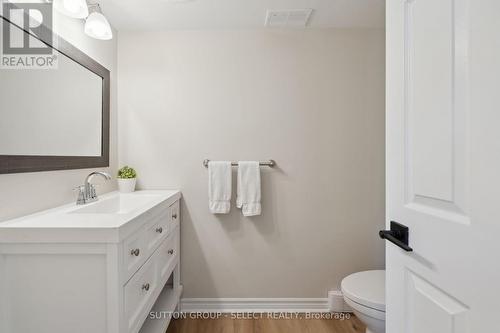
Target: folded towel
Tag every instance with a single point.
(248, 193)
(219, 187)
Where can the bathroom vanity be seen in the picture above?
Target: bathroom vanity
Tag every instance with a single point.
(100, 268)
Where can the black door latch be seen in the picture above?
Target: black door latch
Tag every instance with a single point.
(398, 235)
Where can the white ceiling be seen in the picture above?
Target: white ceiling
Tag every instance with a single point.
(127, 15)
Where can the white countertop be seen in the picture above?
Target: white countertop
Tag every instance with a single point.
(65, 224)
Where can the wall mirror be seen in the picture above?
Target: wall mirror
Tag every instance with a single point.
(57, 118)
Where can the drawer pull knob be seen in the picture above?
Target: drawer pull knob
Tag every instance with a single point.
(174, 216)
(145, 286)
(135, 252)
(159, 230)
(171, 251)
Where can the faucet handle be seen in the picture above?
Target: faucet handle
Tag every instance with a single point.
(93, 193)
(81, 194)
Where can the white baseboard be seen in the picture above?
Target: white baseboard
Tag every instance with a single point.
(254, 305)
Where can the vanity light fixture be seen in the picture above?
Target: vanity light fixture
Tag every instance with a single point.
(72, 8)
(96, 24)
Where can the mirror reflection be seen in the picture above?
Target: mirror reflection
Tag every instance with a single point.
(51, 112)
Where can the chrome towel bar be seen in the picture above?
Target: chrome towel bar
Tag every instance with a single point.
(270, 163)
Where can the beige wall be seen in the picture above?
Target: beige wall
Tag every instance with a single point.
(312, 100)
(26, 193)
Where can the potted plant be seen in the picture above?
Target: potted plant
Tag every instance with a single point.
(127, 178)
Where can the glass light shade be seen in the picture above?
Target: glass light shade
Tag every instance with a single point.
(72, 8)
(97, 26)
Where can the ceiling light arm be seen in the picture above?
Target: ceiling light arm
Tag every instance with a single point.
(94, 7)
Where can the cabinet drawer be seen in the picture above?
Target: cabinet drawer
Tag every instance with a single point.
(139, 246)
(139, 293)
(134, 252)
(157, 231)
(167, 255)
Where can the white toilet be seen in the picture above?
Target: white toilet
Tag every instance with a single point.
(365, 294)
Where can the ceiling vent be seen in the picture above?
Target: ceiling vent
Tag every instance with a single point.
(288, 18)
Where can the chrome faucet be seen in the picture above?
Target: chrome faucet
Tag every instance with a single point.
(87, 192)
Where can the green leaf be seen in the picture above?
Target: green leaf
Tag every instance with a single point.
(127, 172)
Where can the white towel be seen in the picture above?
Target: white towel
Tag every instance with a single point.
(248, 197)
(219, 187)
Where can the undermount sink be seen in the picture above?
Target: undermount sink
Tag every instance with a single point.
(120, 204)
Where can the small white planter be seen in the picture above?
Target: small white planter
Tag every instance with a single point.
(127, 185)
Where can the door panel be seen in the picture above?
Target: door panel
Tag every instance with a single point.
(431, 310)
(443, 165)
(435, 94)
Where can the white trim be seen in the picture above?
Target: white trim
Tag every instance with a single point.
(254, 305)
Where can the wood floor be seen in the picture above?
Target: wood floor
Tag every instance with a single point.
(295, 323)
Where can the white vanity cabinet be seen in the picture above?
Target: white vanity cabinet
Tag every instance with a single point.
(100, 269)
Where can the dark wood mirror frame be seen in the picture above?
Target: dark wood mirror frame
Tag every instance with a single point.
(32, 163)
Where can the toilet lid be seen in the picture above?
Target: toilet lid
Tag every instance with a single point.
(366, 288)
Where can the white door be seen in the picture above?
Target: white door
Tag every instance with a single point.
(443, 165)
